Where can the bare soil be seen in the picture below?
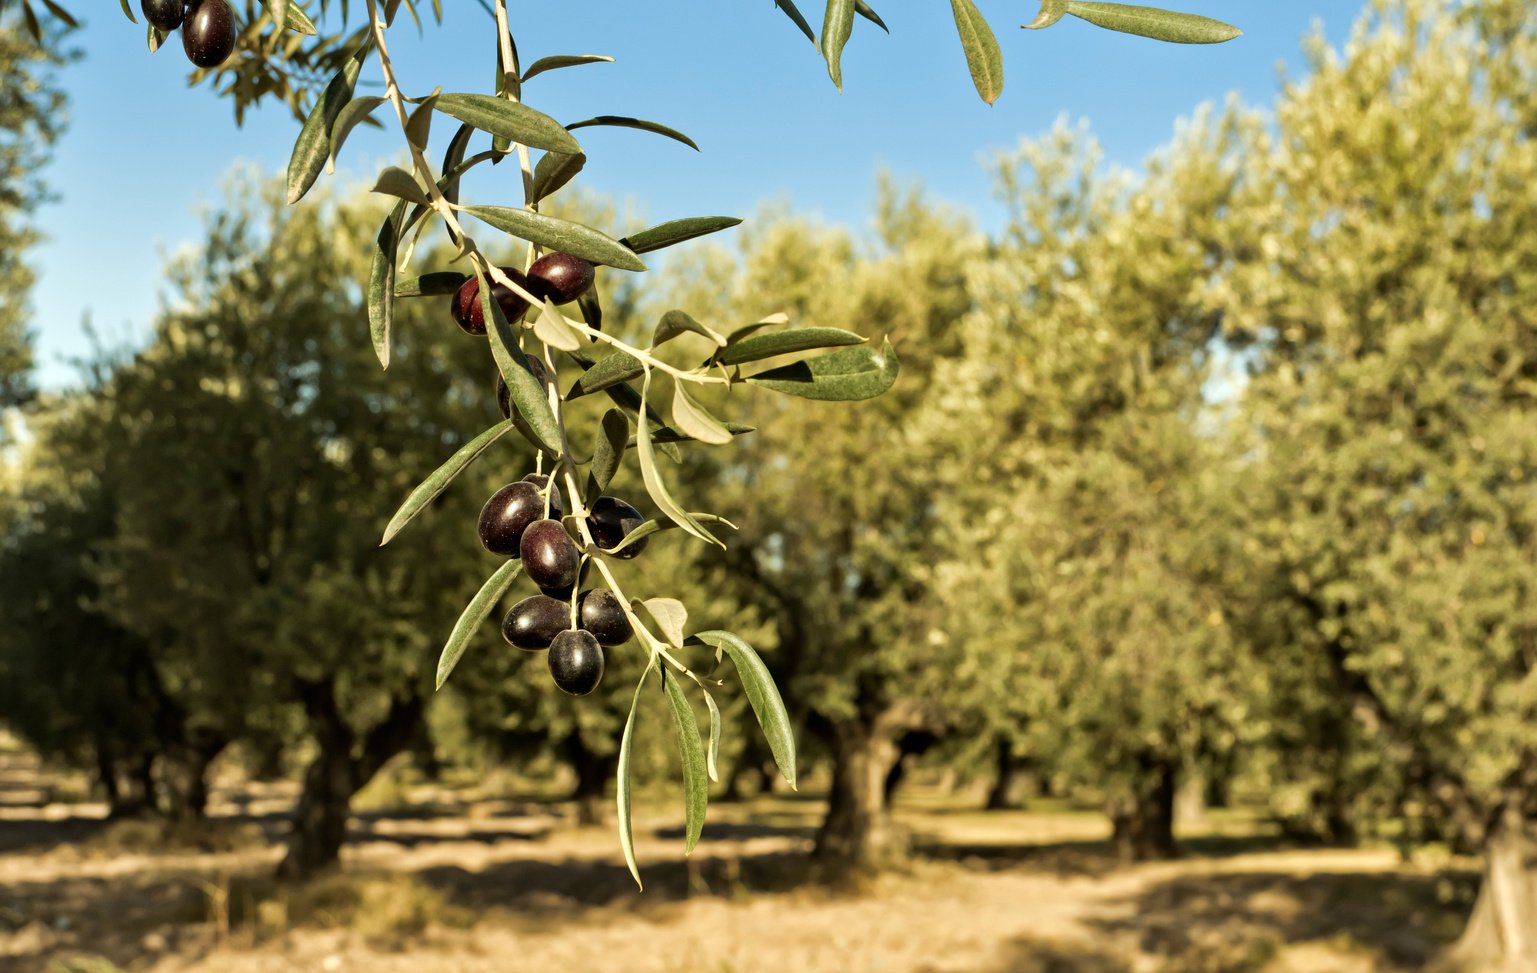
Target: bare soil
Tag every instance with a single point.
(483, 884)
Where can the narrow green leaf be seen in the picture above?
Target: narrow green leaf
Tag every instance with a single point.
(33, 27)
(622, 790)
(695, 420)
(867, 12)
(554, 170)
(128, 11)
(837, 25)
(676, 322)
(696, 788)
(758, 347)
(351, 115)
(474, 613)
(607, 452)
(381, 284)
(616, 369)
(419, 122)
(762, 695)
(428, 489)
(655, 526)
(279, 11)
(397, 182)
(1162, 25)
(677, 231)
(712, 755)
(1051, 12)
(624, 121)
(790, 10)
(525, 391)
(313, 146)
(156, 38)
(556, 234)
(652, 478)
(667, 435)
(510, 120)
(773, 320)
(563, 61)
(454, 168)
(592, 309)
(431, 285)
(843, 376)
(982, 54)
(627, 397)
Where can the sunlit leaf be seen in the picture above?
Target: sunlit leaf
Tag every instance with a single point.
(525, 392)
(484, 602)
(696, 788)
(622, 788)
(790, 10)
(314, 143)
(554, 170)
(760, 346)
(837, 24)
(1162, 25)
(655, 526)
(694, 420)
(762, 695)
(563, 61)
(843, 376)
(397, 182)
(867, 12)
(655, 487)
(671, 617)
(556, 234)
(428, 490)
(381, 284)
(510, 120)
(982, 54)
(351, 115)
(677, 231)
(712, 755)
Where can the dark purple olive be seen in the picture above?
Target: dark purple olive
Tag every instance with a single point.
(550, 558)
(611, 521)
(563, 592)
(560, 277)
(506, 516)
(471, 316)
(534, 622)
(209, 32)
(504, 398)
(603, 615)
(576, 662)
(163, 14)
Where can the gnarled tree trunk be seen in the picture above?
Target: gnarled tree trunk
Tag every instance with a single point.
(1000, 795)
(857, 834)
(1143, 821)
(346, 761)
(1501, 935)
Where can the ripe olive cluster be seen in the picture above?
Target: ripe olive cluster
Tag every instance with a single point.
(208, 28)
(557, 277)
(523, 520)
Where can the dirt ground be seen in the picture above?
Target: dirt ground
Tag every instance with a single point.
(510, 885)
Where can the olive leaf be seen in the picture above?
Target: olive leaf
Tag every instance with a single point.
(1159, 24)
(313, 146)
(511, 120)
(694, 420)
(397, 182)
(696, 791)
(654, 526)
(474, 614)
(434, 284)
(652, 477)
(758, 686)
(622, 789)
(428, 490)
(381, 284)
(788, 6)
(557, 234)
(677, 231)
(982, 54)
(608, 452)
(837, 25)
(525, 391)
(867, 12)
(352, 114)
(552, 328)
(712, 755)
(553, 171)
(676, 322)
(563, 61)
(844, 376)
(624, 121)
(758, 347)
(670, 615)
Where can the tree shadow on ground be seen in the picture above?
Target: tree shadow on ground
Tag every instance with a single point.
(1236, 923)
(1026, 954)
(1076, 858)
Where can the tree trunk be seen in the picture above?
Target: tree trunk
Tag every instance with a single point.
(1000, 796)
(857, 834)
(1501, 935)
(184, 776)
(128, 786)
(1144, 821)
(593, 772)
(343, 765)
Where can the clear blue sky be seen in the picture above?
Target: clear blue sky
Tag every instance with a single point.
(144, 155)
